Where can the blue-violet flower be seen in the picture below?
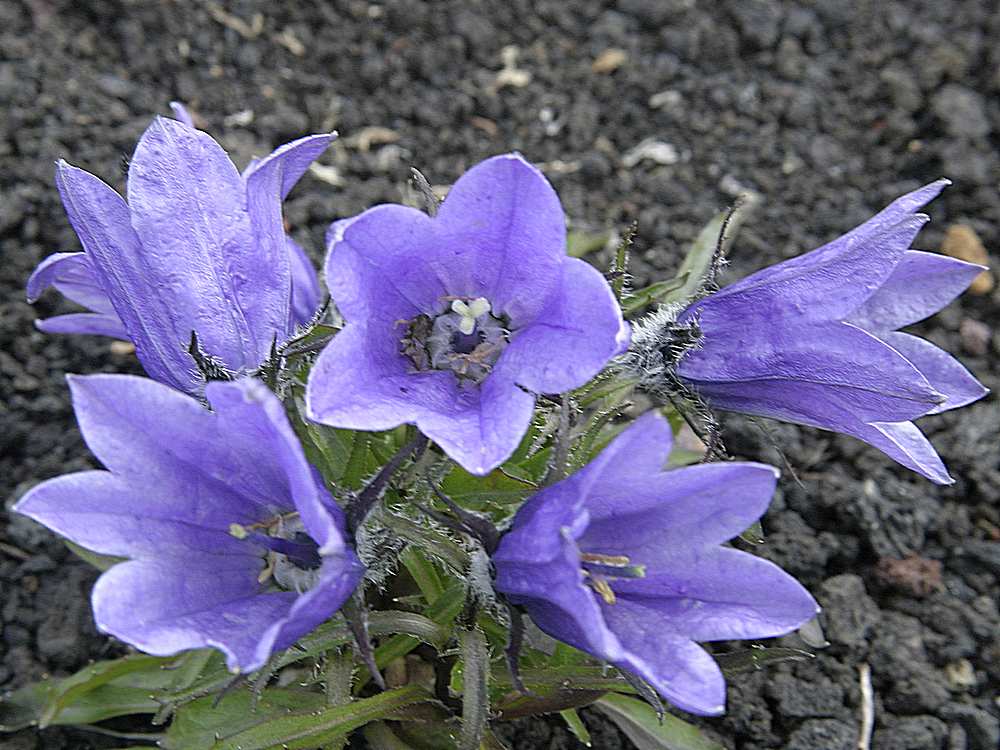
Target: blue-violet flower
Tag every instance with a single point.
(455, 322)
(198, 248)
(233, 539)
(625, 561)
(814, 340)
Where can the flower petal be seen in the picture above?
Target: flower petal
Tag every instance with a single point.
(339, 576)
(827, 284)
(268, 181)
(382, 265)
(943, 371)
(505, 237)
(648, 516)
(812, 374)
(102, 222)
(360, 381)
(580, 329)
(903, 442)
(220, 464)
(73, 276)
(181, 114)
(287, 163)
(84, 323)
(306, 294)
(719, 593)
(248, 407)
(919, 286)
(486, 433)
(538, 566)
(189, 209)
(677, 668)
(106, 514)
(165, 606)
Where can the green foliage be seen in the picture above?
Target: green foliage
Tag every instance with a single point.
(641, 725)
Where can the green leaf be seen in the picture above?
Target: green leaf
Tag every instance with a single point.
(423, 571)
(133, 685)
(481, 493)
(698, 259)
(72, 689)
(759, 657)
(327, 448)
(99, 561)
(442, 611)
(492, 742)
(21, 708)
(359, 462)
(204, 724)
(579, 244)
(313, 728)
(639, 723)
(416, 627)
(576, 725)
(380, 735)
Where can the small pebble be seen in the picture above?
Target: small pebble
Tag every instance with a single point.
(961, 675)
(962, 242)
(975, 336)
(609, 61)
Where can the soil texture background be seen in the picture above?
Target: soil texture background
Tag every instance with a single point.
(658, 111)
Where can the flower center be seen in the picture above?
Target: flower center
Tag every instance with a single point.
(466, 339)
(293, 560)
(600, 570)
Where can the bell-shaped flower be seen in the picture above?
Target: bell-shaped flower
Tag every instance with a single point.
(454, 323)
(233, 541)
(626, 562)
(814, 340)
(199, 248)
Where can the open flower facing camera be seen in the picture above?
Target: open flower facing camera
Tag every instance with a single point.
(455, 322)
(442, 499)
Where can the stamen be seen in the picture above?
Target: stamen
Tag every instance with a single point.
(614, 561)
(602, 587)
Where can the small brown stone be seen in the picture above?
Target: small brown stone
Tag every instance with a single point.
(917, 575)
(962, 242)
(609, 61)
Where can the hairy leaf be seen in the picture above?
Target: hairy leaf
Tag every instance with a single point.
(639, 723)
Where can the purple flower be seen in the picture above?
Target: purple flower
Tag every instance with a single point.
(455, 322)
(625, 561)
(814, 340)
(234, 542)
(198, 248)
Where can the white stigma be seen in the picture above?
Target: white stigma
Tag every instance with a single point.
(470, 312)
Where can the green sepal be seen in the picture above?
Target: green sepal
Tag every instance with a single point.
(759, 657)
(99, 561)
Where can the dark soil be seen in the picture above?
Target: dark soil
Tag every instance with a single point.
(826, 109)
